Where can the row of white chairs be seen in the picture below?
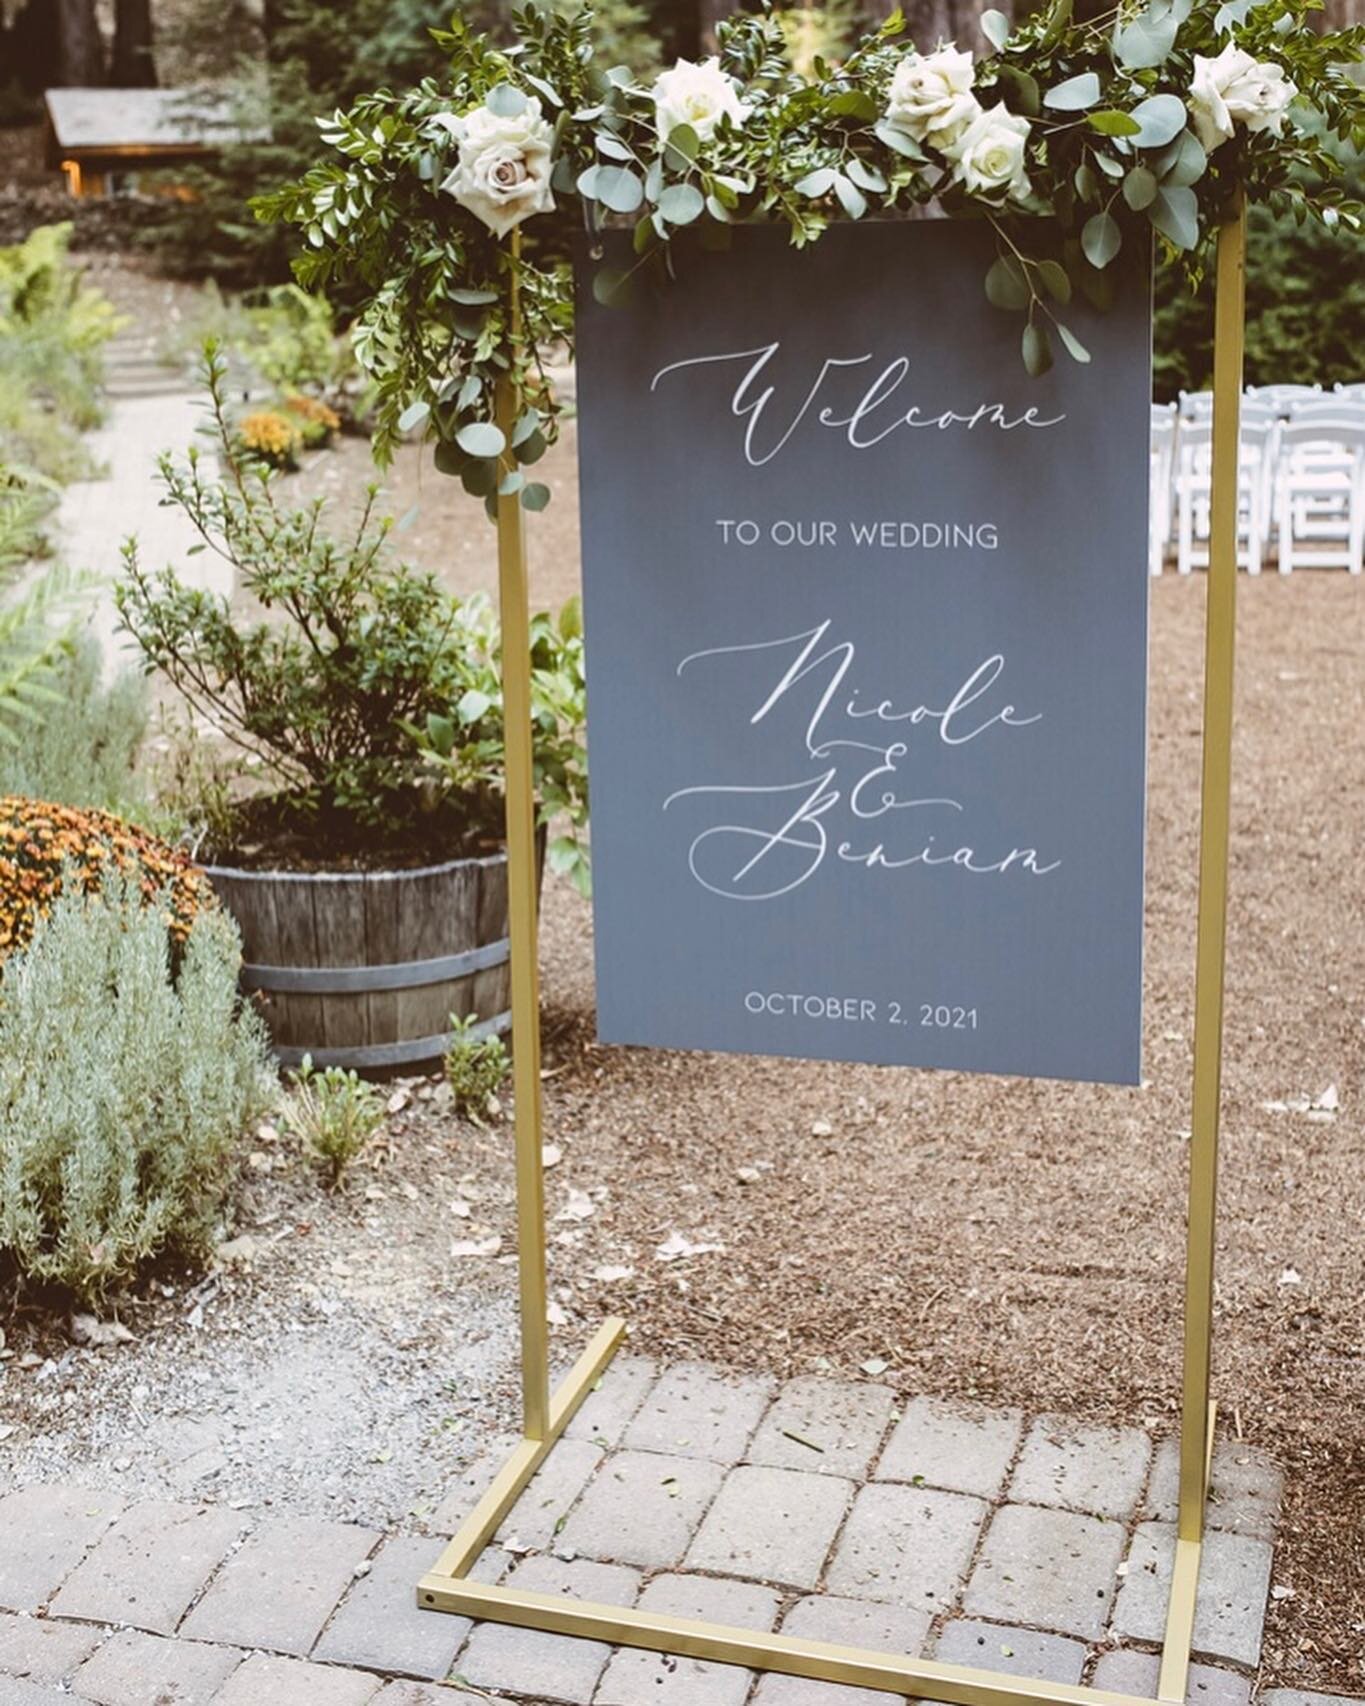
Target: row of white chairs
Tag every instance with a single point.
(1301, 479)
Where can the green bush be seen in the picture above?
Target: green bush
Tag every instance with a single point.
(53, 328)
(123, 1093)
(83, 750)
(1305, 319)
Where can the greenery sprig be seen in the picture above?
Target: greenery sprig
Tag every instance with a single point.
(1075, 139)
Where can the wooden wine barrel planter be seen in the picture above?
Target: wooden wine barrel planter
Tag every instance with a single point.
(364, 968)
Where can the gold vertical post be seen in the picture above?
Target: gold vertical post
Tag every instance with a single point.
(523, 907)
(1219, 646)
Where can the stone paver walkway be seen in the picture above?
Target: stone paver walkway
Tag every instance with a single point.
(1032, 1546)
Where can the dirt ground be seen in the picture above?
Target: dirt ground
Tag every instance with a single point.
(1013, 1240)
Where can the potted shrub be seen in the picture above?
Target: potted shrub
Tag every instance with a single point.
(361, 852)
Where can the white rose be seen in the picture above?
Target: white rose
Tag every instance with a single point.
(991, 154)
(1237, 89)
(503, 172)
(931, 97)
(696, 95)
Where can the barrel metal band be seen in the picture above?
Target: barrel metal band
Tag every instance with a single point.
(360, 980)
(391, 1054)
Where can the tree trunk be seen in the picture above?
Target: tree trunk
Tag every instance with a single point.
(80, 62)
(133, 66)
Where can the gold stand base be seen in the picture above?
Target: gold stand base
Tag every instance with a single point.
(446, 1588)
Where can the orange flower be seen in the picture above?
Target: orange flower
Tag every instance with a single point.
(46, 838)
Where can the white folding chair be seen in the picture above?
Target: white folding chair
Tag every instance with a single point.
(1320, 491)
(1354, 391)
(1282, 397)
(1162, 508)
(1193, 484)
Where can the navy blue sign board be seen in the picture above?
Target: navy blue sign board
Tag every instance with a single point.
(865, 609)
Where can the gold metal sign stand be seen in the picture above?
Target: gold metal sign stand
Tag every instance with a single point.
(545, 1414)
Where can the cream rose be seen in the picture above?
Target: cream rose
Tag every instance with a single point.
(699, 95)
(991, 154)
(503, 172)
(931, 97)
(1237, 89)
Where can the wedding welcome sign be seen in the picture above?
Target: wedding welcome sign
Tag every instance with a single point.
(866, 626)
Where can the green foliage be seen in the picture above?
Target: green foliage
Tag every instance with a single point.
(334, 1113)
(1305, 305)
(476, 1067)
(83, 751)
(369, 695)
(1110, 158)
(123, 1092)
(37, 612)
(462, 745)
(53, 328)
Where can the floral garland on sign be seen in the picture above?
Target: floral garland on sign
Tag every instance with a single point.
(1074, 140)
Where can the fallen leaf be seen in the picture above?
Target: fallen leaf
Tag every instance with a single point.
(89, 1330)
(551, 1155)
(609, 1275)
(875, 1365)
(476, 1246)
(675, 1245)
(1291, 1276)
(397, 1102)
(1329, 1101)
(580, 1206)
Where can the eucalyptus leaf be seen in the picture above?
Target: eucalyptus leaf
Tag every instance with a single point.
(1139, 188)
(1006, 286)
(1111, 122)
(619, 188)
(817, 183)
(481, 438)
(535, 496)
(1101, 239)
(612, 287)
(505, 100)
(1184, 162)
(480, 477)
(853, 103)
(995, 26)
(1111, 167)
(1231, 15)
(474, 298)
(587, 183)
(414, 415)
(865, 176)
(1037, 349)
(1160, 119)
(851, 198)
(1055, 280)
(1175, 214)
(1027, 96)
(1074, 347)
(526, 425)
(680, 204)
(1145, 43)
(897, 140)
(611, 147)
(681, 146)
(1075, 95)
(1085, 183)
